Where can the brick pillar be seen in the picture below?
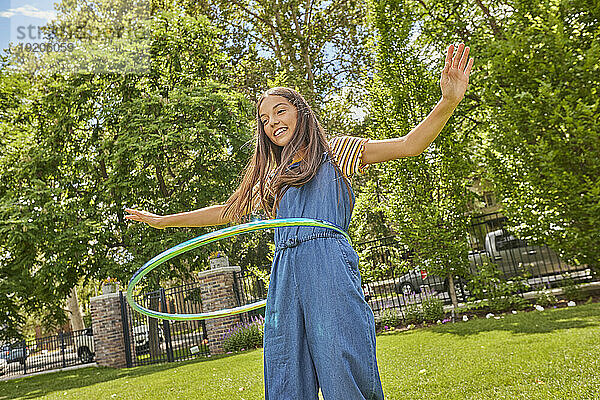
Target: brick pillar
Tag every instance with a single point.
(107, 325)
(217, 294)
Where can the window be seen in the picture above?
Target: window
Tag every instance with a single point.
(507, 242)
(489, 198)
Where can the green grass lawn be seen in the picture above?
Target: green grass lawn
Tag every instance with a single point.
(553, 354)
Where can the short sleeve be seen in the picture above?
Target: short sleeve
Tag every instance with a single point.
(347, 151)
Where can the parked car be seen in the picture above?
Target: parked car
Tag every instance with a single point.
(412, 282)
(84, 343)
(15, 352)
(141, 338)
(510, 253)
(86, 352)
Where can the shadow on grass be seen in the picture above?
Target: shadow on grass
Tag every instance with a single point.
(525, 322)
(531, 322)
(40, 385)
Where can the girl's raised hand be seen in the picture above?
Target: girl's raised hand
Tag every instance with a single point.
(455, 75)
(154, 220)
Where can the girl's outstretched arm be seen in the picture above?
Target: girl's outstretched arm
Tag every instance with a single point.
(453, 82)
(207, 216)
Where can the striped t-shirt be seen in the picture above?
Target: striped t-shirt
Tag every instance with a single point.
(347, 151)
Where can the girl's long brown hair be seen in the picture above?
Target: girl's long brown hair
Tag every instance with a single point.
(309, 136)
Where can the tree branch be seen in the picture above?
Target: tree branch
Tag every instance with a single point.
(305, 53)
(463, 33)
(257, 38)
(161, 182)
(492, 21)
(255, 15)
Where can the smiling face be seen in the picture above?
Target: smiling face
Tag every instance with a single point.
(278, 117)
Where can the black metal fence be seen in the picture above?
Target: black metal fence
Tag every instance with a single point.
(151, 341)
(47, 353)
(250, 287)
(403, 283)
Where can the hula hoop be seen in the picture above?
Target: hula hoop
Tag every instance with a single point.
(205, 239)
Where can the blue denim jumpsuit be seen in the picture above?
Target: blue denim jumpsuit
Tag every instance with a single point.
(319, 330)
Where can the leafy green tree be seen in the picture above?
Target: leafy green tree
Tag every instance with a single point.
(537, 100)
(15, 286)
(547, 134)
(317, 46)
(82, 147)
(425, 198)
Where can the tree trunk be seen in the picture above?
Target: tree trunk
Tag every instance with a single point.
(452, 291)
(74, 312)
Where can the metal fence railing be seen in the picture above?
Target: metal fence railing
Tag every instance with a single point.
(250, 287)
(398, 284)
(536, 266)
(63, 350)
(152, 341)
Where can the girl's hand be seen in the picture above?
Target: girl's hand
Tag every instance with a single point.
(154, 220)
(455, 77)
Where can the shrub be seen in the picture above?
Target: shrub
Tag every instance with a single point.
(571, 291)
(546, 298)
(413, 314)
(518, 303)
(433, 309)
(499, 304)
(390, 317)
(505, 303)
(468, 307)
(248, 335)
(499, 295)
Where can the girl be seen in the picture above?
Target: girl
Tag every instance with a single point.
(319, 330)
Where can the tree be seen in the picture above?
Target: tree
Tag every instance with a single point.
(74, 312)
(538, 101)
(548, 132)
(15, 286)
(424, 198)
(318, 46)
(79, 148)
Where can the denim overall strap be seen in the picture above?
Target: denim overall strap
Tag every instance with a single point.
(324, 197)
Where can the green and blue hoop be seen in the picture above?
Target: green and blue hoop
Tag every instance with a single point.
(208, 238)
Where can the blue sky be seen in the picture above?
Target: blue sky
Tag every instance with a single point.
(17, 15)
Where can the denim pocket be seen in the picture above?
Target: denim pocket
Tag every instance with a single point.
(350, 256)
